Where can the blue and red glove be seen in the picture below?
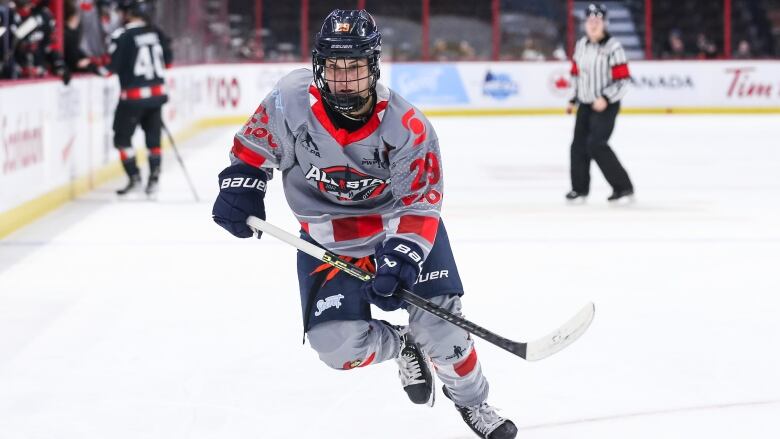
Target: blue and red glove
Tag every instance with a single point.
(241, 193)
(399, 263)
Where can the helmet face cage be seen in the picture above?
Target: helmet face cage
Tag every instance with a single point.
(359, 78)
(348, 43)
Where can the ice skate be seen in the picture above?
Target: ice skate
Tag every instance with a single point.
(485, 422)
(414, 371)
(152, 186)
(133, 186)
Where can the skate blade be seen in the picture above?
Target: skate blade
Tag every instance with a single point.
(137, 195)
(152, 196)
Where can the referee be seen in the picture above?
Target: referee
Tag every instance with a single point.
(600, 72)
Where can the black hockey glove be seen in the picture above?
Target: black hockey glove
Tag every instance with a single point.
(241, 193)
(398, 262)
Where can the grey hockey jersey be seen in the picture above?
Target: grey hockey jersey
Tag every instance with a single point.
(349, 190)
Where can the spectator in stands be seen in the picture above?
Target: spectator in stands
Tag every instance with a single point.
(249, 49)
(743, 50)
(110, 17)
(705, 46)
(674, 47)
(439, 51)
(9, 21)
(559, 53)
(75, 58)
(530, 52)
(404, 52)
(466, 51)
(93, 36)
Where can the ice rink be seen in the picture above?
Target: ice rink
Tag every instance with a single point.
(137, 319)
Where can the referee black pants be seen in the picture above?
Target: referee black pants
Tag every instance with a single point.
(591, 134)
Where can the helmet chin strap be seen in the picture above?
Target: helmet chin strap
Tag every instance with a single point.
(361, 113)
(347, 103)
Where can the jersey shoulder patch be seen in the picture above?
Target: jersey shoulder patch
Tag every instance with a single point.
(404, 123)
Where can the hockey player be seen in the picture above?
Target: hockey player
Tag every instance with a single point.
(362, 173)
(140, 54)
(36, 54)
(9, 22)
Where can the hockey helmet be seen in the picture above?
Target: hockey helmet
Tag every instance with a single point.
(138, 8)
(346, 34)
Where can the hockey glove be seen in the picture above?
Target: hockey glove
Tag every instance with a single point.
(399, 262)
(241, 193)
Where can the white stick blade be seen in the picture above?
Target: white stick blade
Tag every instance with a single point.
(304, 246)
(563, 336)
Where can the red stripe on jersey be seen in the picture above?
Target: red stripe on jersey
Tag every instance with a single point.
(305, 227)
(246, 155)
(575, 71)
(142, 92)
(342, 136)
(133, 93)
(620, 71)
(424, 226)
(345, 229)
(466, 366)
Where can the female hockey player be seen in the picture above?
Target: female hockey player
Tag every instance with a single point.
(362, 173)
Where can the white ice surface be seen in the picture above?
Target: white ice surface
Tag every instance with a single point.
(146, 320)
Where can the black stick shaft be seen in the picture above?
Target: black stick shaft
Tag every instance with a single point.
(409, 297)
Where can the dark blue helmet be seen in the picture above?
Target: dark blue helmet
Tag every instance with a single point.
(597, 10)
(345, 35)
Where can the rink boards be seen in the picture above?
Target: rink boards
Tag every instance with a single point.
(56, 141)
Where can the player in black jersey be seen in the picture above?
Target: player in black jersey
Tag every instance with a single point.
(9, 22)
(140, 53)
(36, 54)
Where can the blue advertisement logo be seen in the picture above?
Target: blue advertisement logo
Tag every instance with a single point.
(429, 84)
(499, 85)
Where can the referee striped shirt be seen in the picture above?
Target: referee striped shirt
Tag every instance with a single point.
(599, 69)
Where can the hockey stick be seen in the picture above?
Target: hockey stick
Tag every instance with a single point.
(181, 162)
(531, 351)
(21, 32)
